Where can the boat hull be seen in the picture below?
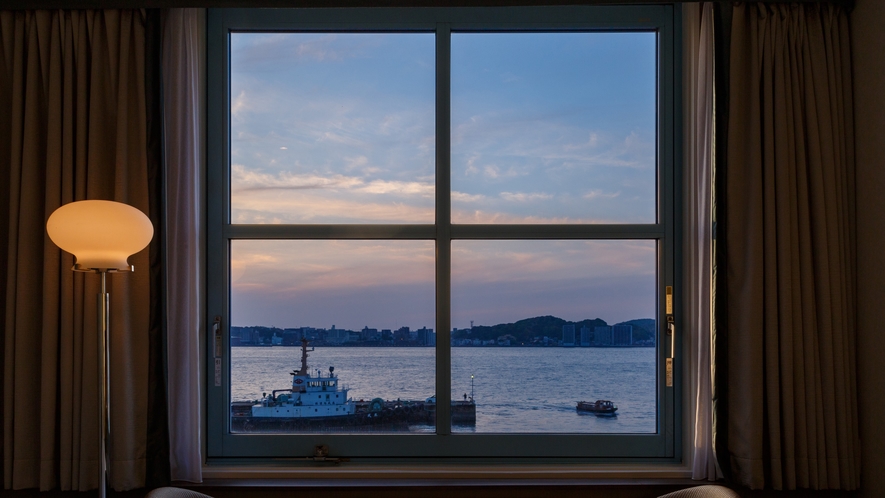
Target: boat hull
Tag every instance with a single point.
(393, 416)
(600, 408)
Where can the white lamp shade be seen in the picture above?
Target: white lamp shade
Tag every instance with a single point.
(100, 234)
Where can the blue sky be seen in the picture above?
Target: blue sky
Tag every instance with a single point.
(340, 128)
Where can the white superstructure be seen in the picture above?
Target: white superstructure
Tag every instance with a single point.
(310, 396)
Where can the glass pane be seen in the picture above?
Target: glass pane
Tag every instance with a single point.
(554, 127)
(332, 128)
(366, 308)
(539, 326)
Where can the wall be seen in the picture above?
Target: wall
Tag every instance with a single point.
(868, 44)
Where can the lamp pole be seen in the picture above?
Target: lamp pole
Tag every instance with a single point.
(104, 429)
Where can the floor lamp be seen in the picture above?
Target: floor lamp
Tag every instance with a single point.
(101, 235)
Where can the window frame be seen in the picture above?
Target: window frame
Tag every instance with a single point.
(480, 448)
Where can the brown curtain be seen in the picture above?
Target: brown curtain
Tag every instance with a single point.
(72, 126)
(792, 407)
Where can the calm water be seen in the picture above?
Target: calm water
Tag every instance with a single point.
(516, 389)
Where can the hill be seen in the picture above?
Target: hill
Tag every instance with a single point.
(524, 330)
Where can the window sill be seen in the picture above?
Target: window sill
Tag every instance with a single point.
(385, 475)
(373, 486)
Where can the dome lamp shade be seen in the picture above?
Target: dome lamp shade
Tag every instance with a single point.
(100, 234)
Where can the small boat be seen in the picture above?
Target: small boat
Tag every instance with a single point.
(600, 407)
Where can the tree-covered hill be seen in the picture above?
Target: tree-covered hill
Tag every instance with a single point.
(524, 330)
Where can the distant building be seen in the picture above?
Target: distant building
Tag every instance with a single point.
(424, 336)
(568, 335)
(586, 336)
(292, 337)
(602, 335)
(337, 336)
(402, 335)
(368, 334)
(622, 335)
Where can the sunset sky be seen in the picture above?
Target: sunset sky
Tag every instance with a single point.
(340, 128)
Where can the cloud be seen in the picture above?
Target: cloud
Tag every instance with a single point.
(339, 138)
(243, 179)
(319, 206)
(515, 261)
(599, 194)
(382, 187)
(263, 51)
(333, 264)
(547, 138)
(485, 217)
(350, 283)
(351, 163)
(239, 104)
(524, 197)
(464, 197)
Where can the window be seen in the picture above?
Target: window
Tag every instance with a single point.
(442, 233)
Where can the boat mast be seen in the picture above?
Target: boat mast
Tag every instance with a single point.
(304, 356)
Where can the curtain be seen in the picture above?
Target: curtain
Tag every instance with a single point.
(698, 136)
(184, 38)
(73, 126)
(792, 408)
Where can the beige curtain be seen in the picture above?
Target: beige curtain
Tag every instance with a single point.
(792, 406)
(72, 107)
(697, 29)
(184, 55)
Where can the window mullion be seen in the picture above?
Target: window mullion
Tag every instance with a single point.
(443, 230)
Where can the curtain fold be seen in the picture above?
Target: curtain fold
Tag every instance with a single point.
(184, 38)
(74, 127)
(157, 449)
(792, 408)
(697, 212)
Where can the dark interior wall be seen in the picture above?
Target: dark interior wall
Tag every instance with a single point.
(868, 45)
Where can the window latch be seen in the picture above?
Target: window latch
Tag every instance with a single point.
(671, 332)
(321, 454)
(216, 335)
(216, 332)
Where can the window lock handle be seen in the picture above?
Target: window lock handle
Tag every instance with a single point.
(671, 331)
(216, 333)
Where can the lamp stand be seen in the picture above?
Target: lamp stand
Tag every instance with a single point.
(101, 235)
(104, 428)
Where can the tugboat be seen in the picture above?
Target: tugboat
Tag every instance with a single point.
(319, 402)
(600, 407)
(309, 397)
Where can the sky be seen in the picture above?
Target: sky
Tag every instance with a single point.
(340, 128)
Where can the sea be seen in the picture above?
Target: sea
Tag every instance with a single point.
(516, 389)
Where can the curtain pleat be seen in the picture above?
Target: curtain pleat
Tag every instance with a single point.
(184, 38)
(157, 448)
(792, 408)
(75, 128)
